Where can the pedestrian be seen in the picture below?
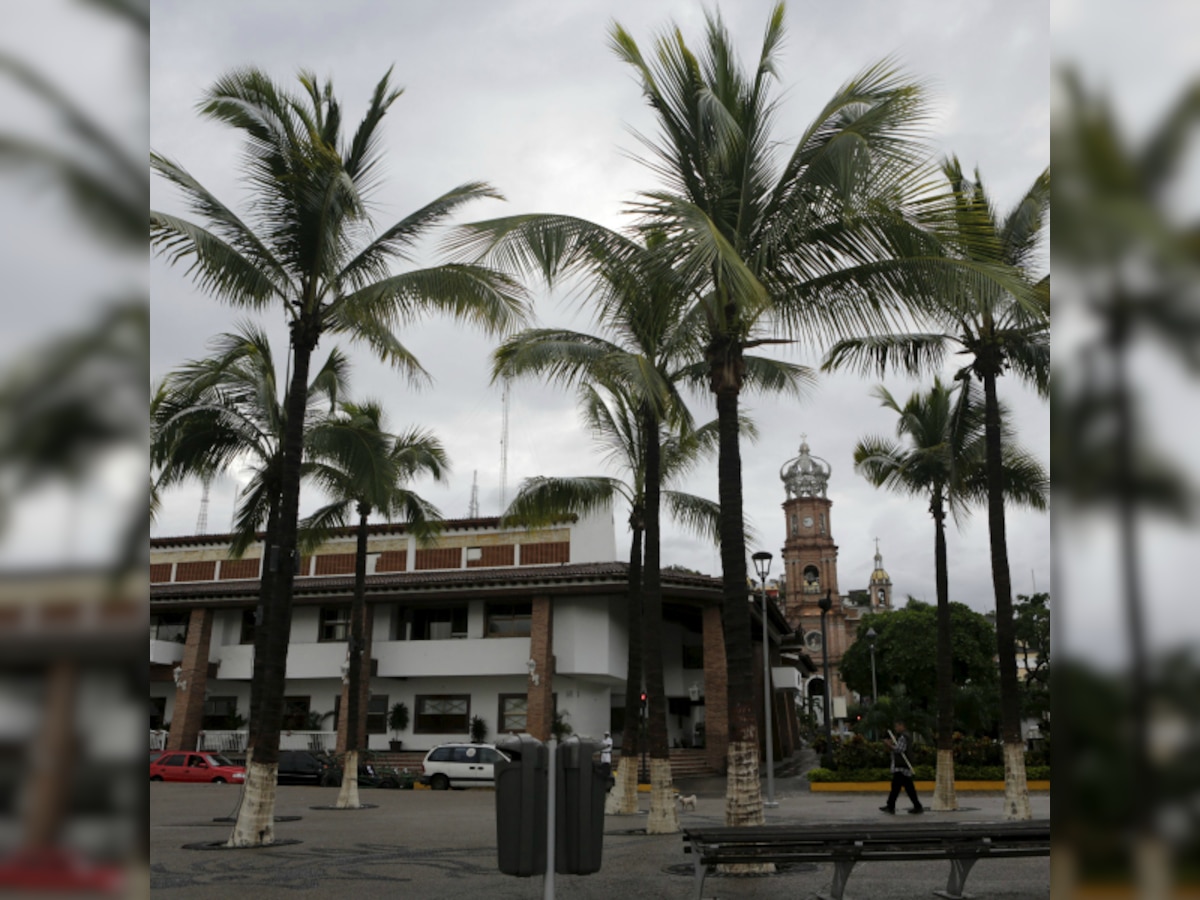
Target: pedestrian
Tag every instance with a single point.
(606, 749)
(902, 773)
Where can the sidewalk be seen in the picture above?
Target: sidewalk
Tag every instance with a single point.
(435, 844)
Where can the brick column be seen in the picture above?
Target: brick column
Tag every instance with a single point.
(716, 699)
(188, 717)
(540, 714)
(364, 689)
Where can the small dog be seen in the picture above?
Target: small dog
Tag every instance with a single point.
(686, 803)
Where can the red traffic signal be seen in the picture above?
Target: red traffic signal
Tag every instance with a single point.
(643, 696)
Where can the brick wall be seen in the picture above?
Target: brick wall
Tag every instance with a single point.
(196, 571)
(504, 555)
(335, 564)
(541, 650)
(439, 558)
(543, 554)
(716, 700)
(160, 572)
(239, 568)
(188, 716)
(392, 561)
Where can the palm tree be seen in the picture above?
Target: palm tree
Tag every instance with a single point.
(541, 500)
(648, 350)
(942, 458)
(823, 243)
(314, 253)
(999, 331)
(366, 470)
(213, 413)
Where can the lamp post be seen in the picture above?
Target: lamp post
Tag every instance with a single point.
(762, 565)
(874, 686)
(826, 603)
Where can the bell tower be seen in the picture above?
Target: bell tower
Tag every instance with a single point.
(809, 553)
(881, 584)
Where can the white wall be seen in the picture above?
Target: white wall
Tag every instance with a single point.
(593, 539)
(584, 632)
(478, 657)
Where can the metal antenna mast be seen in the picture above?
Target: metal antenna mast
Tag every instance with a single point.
(202, 519)
(504, 448)
(473, 509)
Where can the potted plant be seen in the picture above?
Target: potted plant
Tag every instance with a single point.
(397, 721)
(479, 730)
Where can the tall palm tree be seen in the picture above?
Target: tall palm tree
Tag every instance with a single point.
(998, 331)
(543, 499)
(942, 458)
(310, 249)
(648, 350)
(366, 470)
(224, 410)
(822, 243)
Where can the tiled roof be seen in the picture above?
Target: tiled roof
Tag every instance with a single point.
(436, 582)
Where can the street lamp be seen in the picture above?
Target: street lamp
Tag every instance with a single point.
(762, 565)
(826, 603)
(871, 635)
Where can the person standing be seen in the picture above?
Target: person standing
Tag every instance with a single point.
(902, 773)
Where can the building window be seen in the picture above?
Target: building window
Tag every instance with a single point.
(440, 624)
(249, 623)
(377, 713)
(220, 714)
(509, 619)
(169, 627)
(514, 709)
(693, 656)
(335, 623)
(295, 713)
(158, 712)
(442, 714)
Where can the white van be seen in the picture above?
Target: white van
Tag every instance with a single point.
(460, 766)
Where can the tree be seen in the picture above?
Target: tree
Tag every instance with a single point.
(822, 243)
(906, 655)
(647, 349)
(314, 254)
(224, 409)
(366, 470)
(999, 331)
(942, 458)
(1031, 626)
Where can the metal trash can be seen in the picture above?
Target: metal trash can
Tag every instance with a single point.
(582, 782)
(521, 806)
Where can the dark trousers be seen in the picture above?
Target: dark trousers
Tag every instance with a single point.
(901, 780)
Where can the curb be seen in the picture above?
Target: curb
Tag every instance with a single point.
(884, 786)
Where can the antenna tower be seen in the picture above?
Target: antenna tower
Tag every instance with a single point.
(473, 509)
(504, 447)
(202, 519)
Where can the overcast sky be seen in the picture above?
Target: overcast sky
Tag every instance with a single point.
(527, 96)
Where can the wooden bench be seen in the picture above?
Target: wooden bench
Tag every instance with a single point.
(843, 844)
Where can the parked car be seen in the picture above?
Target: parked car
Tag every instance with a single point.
(196, 767)
(460, 765)
(369, 775)
(304, 767)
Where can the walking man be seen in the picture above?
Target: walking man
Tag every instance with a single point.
(902, 773)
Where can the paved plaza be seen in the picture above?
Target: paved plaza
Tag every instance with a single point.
(430, 844)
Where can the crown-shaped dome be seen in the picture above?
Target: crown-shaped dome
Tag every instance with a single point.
(806, 475)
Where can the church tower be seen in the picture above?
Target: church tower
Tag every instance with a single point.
(881, 585)
(809, 553)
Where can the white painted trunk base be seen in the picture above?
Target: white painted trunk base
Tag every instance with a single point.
(622, 800)
(1152, 868)
(664, 814)
(348, 795)
(944, 798)
(255, 824)
(1016, 788)
(743, 798)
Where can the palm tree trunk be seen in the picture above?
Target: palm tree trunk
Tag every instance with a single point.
(265, 588)
(255, 824)
(743, 793)
(943, 796)
(1016, 789)
(664, 817)
(348, 796)
(623, 799)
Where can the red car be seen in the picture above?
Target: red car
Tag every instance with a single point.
(178, 766)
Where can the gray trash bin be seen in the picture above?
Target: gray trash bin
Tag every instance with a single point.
(579, 807)
(521, 806)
